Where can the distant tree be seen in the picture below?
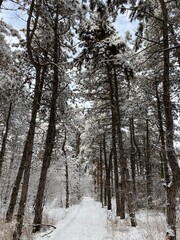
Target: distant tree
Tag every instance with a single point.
(103, 55)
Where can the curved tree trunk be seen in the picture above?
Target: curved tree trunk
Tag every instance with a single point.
(28, 148)
(51, 132)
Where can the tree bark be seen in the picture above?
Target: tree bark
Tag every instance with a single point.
(130, 201)
(51, 132)
(28, 147)
(162, 138)
(114, 150)
(148, 166)
(172, 189)
(4, 140)
(66, 171)
(126, 186)
(132, 155)
(101, 174)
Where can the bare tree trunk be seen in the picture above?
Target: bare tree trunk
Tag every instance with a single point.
(51, 132)
(22, 204)
(114, 150)
(1, 1)
(66, 171)
(126, 186)
(67, 184)
(9, 180)
(133, 155)
(130, 201)
(101, 174)
(108, 168)
(4, 140)
(162, 138)
(98, 179)
(148, 166)
(172, 188)
(28, 148)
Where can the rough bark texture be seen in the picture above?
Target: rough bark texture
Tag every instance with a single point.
(28, 147)
(132, 154)
(165, 172)
(108, 167)
(67, 171)
(4, 140)
(67, 184)
(114, 150)
(126, 186)
(130, 201)
(51, 132)
(172, 189)
(148, 166)
(122, 158)
(101, 175)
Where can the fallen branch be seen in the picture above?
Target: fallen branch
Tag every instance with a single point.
(47, 233)
(43, 225)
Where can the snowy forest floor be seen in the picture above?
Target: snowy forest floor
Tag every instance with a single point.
(89, 221)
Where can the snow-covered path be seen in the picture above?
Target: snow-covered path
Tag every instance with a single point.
(89, 221)
(85, 225)
(86, 222)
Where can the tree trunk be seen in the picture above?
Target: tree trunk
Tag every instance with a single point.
(51, 132)
(114, 150)
(4, 140)
(162, 139)
(28, 148)
(122, 159)
(1, 1)
(67, 171)
(108, 168)
(9, 179)
(124, 171)
(67, 184)
(132, 155)
(148, 166)
(101, 175)
(130, 201)
(172, 189)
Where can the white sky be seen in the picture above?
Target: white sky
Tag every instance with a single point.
(13, 16)
(123, 25)
(17, 18)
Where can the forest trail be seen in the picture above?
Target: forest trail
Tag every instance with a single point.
(87, 222)
(86, 225)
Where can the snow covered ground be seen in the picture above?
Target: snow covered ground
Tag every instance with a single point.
(89, 221)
